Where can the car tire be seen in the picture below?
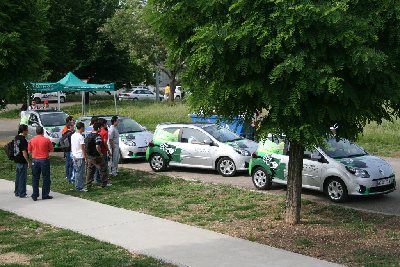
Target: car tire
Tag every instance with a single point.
(261, 179)
(177, 97)
(226, 167)
(135, 99)
(37, 100)
(336, 190)
(62, 99)
(157, 162)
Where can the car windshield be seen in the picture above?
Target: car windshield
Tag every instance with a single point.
(222, 134)
(128, 126)
(342, 149)
(53, 119)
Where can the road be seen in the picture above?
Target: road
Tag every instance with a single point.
(388, 204)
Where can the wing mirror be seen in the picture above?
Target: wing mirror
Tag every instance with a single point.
(319, 158)
(208, 142)
(35, 124)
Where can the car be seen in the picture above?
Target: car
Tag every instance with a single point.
(177, 94)
(133, 137)
(39, 97)
(339, 168)
(51, 120)
(207, 146)
(138, 94)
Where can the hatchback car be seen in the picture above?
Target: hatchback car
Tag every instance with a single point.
(133, 137)
(52, 121)
(339, 168)
(138, 94)
(207, 146)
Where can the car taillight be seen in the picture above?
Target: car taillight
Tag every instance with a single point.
(151, 144)
(126, 94)
(254, 155)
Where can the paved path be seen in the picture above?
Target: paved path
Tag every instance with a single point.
(169, 241)
(387, 204)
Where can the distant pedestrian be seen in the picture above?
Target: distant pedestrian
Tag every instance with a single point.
(24, 114)
(46, 105)
(66, 146)
(22, 161)
(95, 160)
(40, 147)
(113, 137)
(33, 105)
(167, 91)
(78, 152)
(105, 151)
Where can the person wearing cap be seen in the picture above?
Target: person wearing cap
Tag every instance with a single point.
(46, 104)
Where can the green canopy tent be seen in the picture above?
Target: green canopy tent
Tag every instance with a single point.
(71, 83)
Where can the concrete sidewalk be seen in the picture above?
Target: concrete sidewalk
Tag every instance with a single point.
(166, 240)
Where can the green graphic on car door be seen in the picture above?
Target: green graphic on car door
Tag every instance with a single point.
(161, 145)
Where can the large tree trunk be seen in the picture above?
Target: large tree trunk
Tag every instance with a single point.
(293, 195)
(173, 85)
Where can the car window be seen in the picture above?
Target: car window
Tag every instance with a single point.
(148, 92)
(127, 125)
(193, 136)
(222, 134)
(164, 135)
(310, 154)
(53, 119)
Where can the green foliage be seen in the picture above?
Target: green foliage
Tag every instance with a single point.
(306, 64)
(22, 45)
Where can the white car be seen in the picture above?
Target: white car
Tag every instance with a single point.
(137, 94)
(39, 97)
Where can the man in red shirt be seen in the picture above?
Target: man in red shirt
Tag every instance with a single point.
(105, 151)
(40, 147)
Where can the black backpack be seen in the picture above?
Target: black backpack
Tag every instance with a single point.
(9, 148)
(90, 144)
(65, 142)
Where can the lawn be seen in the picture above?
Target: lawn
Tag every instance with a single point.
(327, 231)
(25, 242)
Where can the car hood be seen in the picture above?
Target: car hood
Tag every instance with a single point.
(55, 129)
(140, 138)
(375, 166)
(246, 144)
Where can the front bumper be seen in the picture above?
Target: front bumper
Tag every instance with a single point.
(133, 152)
(371, 187)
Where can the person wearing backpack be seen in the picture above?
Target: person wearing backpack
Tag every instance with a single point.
(40, 147)
(21, 158)
(93, 143)
(65, 144)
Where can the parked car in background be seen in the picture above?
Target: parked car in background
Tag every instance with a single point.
(40, 97)
(207, 146)
(133, 137)
(339, 168)
(52, 121)
(138, 94)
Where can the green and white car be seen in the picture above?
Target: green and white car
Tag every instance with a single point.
(206, 146)
(339, 169)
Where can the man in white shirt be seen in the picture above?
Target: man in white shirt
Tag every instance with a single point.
(113, 139)
(78, 153)
(33, 106)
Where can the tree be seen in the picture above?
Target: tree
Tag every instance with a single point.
(130, 30)
(22, 45)
(307, 64)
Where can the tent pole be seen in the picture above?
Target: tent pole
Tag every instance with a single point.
(82, 102)
(58, 97)
(115, 102)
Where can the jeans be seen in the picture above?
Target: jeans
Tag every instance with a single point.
(114, 160)
(97, 177)
(79, 171)
(20, 179)
(91, 166)
(41, 166)
(69, 166)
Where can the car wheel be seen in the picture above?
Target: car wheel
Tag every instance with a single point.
(226, 167)
(261, 179)
(336, 190)
(135, 99)
(37, 100)
(62, 99)
(157, 162)
(177, 97)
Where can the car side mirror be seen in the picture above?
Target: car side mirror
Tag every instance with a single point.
(35, 124)
(208, 142)
(144, 128)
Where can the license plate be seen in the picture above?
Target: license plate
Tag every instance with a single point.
(385, 181)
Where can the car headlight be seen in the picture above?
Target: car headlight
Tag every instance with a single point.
(358, 172)
(129, 143)
(242, 152)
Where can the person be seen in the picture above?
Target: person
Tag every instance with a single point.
(105, 151)
(167, 91)
(40, 147)
(113, 139)
(78, 152)
(89, 129)
(67, 153)
(24, 115)
(95, 160)
(67, 124)
(46, 105)
(33, 105)
(22, 161)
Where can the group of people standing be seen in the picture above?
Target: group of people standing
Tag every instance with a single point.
(86, 157)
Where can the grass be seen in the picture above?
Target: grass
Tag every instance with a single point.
(327, 231)
(26, 242)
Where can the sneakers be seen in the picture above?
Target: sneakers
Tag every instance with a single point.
(47, 197)
(83, 190)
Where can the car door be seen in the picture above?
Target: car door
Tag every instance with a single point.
(149, 95)
(196, 148)
(312, 168)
